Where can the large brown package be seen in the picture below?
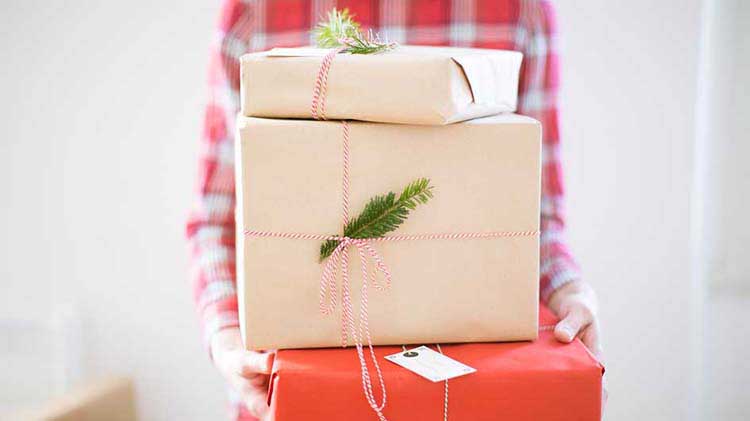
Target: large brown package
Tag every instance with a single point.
(486, 178)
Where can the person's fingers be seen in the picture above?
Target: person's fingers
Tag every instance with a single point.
(255, 363)
(258, 380)
(590, 337)
(254, 399)
(575, 320)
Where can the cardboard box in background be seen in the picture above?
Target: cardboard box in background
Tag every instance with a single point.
(111, 399)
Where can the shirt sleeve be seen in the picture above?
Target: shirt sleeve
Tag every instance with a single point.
(538, 93)
(211, 225)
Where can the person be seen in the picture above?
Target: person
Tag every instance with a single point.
(524, 25)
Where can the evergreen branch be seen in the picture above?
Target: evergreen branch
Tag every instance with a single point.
(340, 25)
(366, 44)
(342, 31)
(383, 214)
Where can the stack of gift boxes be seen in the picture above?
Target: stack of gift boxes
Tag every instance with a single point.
(331, 148)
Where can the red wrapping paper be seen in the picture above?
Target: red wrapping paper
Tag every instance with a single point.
(540, 380)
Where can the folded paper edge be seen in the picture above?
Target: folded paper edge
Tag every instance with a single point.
(591, 356)
(470, 65)
(271, 385)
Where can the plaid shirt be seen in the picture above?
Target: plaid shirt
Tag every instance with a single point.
(253, 25)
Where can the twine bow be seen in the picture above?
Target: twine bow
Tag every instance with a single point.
(339, 259)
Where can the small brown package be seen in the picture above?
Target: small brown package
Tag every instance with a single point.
(413, 85)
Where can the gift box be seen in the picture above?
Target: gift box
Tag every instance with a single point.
(540, 380)
(463, 266)
(415, 85)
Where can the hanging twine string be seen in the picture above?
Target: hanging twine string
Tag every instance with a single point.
(339, 259)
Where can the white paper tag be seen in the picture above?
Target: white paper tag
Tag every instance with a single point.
(430, 364)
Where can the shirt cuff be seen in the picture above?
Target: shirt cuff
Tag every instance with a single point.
(219, 315)
(557, 274)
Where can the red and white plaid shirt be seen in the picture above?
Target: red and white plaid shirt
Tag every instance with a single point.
(255, 25)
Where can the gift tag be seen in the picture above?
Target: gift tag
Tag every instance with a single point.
(430, 364)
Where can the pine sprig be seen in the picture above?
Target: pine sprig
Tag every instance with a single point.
(342, 31)
(383, 214)
(340, 25)
(369, 43)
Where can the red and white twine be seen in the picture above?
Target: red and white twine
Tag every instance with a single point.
(318, 105)
(339, 259)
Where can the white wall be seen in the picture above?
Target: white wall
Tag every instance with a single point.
(722, 231)
(629, 86)
(101, 112)
(100, 116)
(724, 146)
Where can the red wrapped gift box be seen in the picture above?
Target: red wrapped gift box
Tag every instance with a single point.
(540, 380)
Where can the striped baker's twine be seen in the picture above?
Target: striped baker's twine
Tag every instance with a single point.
(445, 399)
(318, 105)
(339, 259)
(388, 238)
(345, 174)
(346, 314)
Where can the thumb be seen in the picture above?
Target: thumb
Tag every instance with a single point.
(567, 329)
(257, 363)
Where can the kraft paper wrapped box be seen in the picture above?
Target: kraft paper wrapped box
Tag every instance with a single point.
(486, 178)
(520, 381)
(415, 85)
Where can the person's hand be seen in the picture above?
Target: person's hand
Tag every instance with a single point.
(575, 305)
(246, 371)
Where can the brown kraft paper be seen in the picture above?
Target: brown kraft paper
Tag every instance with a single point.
(486, 177)
(412, 85)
